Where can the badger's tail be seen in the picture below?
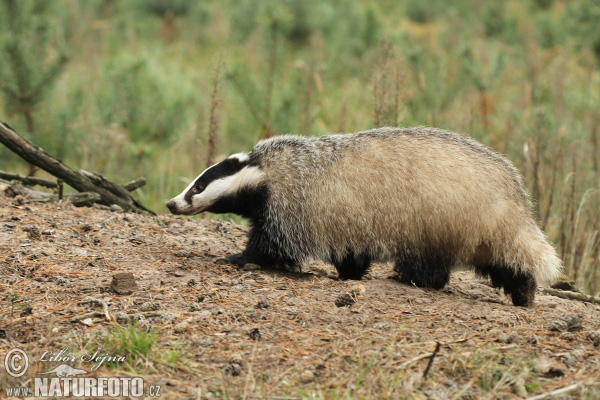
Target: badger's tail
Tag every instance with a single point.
(532, 254)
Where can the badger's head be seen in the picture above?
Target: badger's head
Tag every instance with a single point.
(234, 185)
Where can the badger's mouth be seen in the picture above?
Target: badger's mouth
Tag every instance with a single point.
(176, 210)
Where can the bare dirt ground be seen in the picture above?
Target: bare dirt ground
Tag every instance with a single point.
(224, 332)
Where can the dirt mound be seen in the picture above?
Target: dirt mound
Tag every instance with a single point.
(220, 331)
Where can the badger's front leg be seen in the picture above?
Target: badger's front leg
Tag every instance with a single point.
(262, 250)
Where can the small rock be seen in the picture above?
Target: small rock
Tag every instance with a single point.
(183, 254)
(558, 325)
(191, 283)
(567, 336)
(250, 267)
(33, 232)
(27, 310)
(508, 339)
(263, 303)
(181, 327)
(200, 299)
(59, 280)
(574, 323)
(292, 312)
(531, 339)
(548, 368)
(236, 359)
(116, 208)
(122, 317)
(345, 300)
(47, 232)
(123, 283)
(144, 324)
(86, 228)
(233, 369)
(254, 334)
(2, 334)
(150, 306)
(594, 337)
(168, 317)
(87, 322)
(307, 376)
(136, 241)
(503, 338)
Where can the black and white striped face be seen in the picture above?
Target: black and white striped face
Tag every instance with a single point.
(218, 188)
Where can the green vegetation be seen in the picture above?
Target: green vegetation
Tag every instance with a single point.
(133, 343)
(127, 88)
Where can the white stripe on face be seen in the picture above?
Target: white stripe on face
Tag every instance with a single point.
(245, 178)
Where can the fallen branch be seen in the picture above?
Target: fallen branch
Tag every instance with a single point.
(572, 295)
(109, 192)
(77, 199)
(437, 348)
(134, 184)
(28, 180)
(566, 389)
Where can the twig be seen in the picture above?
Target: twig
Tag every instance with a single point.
(415, 359)
(437, 348)
(572, 295)
(555, 392)
(134, 184)
(28, 180)
(91, 314)
(99, 302)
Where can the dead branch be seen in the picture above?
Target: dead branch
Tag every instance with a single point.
(565, 389)
(28, 180)
(572, 295)
(134, 184)
(109, 192)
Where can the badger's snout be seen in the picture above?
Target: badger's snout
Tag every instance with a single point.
(171, 206)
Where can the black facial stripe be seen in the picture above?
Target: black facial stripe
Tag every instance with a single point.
(225, 168)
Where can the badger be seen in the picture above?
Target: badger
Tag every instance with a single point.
(424, 198)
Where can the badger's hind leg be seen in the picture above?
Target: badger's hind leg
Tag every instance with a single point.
(351, 266)
(519, 285)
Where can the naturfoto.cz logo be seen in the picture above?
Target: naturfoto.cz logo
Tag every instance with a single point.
(67, 381)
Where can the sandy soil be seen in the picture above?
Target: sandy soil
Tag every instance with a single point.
(224, 332)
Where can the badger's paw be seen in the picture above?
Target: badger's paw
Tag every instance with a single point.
(238, 260)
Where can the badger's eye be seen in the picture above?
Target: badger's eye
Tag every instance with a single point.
(199, 188)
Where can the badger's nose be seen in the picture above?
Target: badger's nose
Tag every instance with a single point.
(170, 205)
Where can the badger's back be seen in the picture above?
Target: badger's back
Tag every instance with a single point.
(389, 191)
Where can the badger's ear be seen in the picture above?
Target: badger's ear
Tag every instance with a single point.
(241, 157)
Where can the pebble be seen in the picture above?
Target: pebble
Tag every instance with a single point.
(567, 336)
(532, 339)
(233, 369)
(122, 317)
(345, 300)
(150, 306)
(263, 303)
(60, 280)
(183, 254)
(254, 334)
(116, 208)
(595, 337)
(181, 327)
(307, 376)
